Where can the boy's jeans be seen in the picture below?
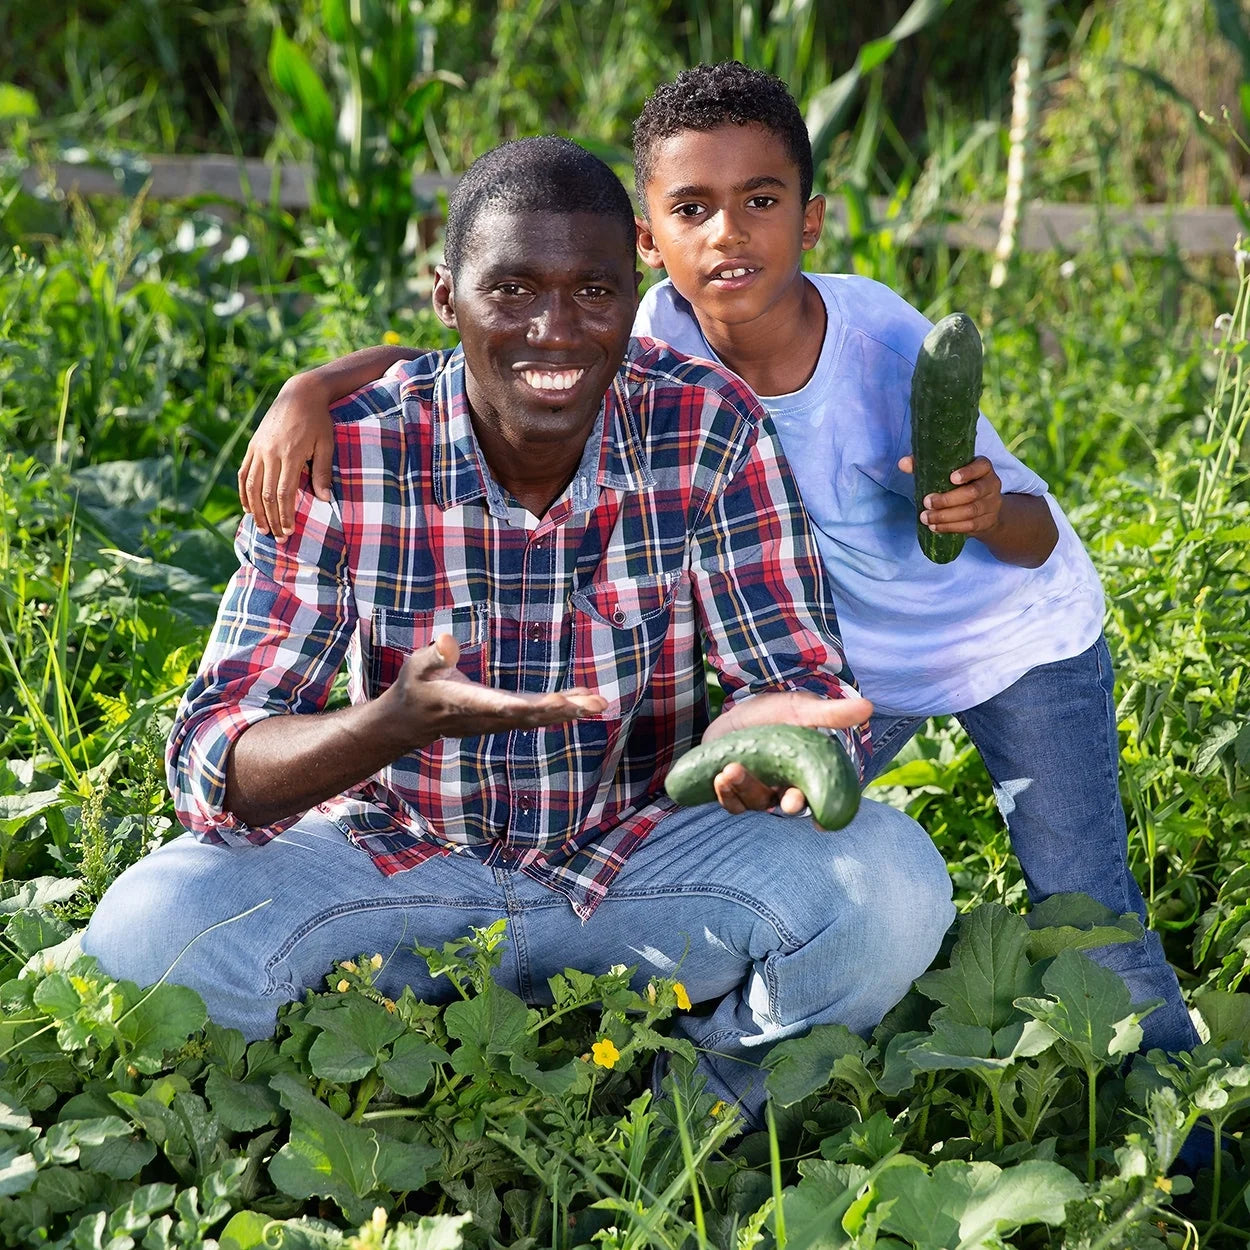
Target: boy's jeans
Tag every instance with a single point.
(1049, 742)
(783, 926)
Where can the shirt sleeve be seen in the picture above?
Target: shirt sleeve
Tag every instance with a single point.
(279, 640)
(768, 617)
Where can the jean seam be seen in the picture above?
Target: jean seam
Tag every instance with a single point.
(753, 905)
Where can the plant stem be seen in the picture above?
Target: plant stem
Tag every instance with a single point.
(774, 1167)
(1091, 1104)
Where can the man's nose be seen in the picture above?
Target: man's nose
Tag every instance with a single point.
(554, 323)
(727, 230)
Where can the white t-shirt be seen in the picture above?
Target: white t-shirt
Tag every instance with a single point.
(922, 638)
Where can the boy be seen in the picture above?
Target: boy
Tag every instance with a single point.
(1008, 637)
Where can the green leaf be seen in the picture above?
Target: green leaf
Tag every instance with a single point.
(162, 1019)
(17, 1171)
(1090, 1010)
(799, 1066)
(1227, 1015)
(875, 53)
(352, 1164)
(568, 1079)
(312, 112)
(1077, 922)
(38, 893)
(241, 1106)
(989, 969)
(964, 1206)
(17, 810)
(493, 1023)
(245, 1231)
(336, 20)
(16, 102)
(32, 931)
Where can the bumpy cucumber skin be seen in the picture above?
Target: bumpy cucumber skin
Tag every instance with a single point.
(945, 390)
(778, 755)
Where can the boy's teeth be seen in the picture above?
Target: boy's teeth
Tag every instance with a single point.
(734, 273)
(563, 380)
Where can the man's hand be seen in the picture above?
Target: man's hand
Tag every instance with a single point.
(297, 428)
(972, 508)
(738, 790)
(433, 699)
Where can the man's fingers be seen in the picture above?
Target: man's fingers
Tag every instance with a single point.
(794, 707)
(244, 470)
(282, 509)
(907, 464)
(255, 487)
(323, 469)
(973, 470)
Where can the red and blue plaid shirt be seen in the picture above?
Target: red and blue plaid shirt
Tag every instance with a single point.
(681, 535)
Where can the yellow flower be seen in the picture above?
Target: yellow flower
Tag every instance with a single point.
(376, 962)
(605, 1053)
(683, 999)
(389, 1004)
(1164, 1183)
(349, 965)
(391, 338)
(343, 986)
(718, 1107)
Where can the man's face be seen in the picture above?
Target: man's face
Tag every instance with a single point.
(728, 220)
(544, 303)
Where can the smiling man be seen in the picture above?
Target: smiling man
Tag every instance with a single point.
(531, 544)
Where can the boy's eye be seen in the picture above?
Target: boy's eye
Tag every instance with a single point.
(687, 210)
(761, 201)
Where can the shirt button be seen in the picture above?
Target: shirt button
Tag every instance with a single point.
(618, 617)
(536, 633)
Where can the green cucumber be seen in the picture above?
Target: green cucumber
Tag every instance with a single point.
(945, 390)
(779, 755)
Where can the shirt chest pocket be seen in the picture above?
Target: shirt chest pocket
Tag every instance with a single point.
(619, 632)
(397, 634)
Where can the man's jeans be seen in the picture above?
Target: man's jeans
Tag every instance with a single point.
(1049, 742)
(784, 925)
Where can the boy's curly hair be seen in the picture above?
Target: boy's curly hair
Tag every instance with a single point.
(709, 96)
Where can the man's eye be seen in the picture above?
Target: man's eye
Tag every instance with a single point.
(688, 210)
(596, 292)
(509, 288)
(761, 201)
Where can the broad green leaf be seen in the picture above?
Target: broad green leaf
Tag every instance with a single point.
(989, 969)
(875, 53)
(17, 809)
(312, 112)
(30, 931)
(241, 1106)
(352, 1164)
(245, 1231)
(1092, 1013)
(366, 1024)
(1077, 922)
(799, 1066)
(37, 892)
(568, 1079)
(162, 1019)
(16, 102)
(336, 20)
(493, 1023)
(964, 1206)
(431, 1232)
(17, 1171)
(13, 1116)
(1227, 1015)
(122, 1158)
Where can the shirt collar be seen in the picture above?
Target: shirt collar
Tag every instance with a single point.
(615, 455)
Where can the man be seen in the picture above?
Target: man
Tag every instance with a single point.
(532, 543)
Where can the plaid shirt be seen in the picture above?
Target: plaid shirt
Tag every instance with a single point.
(680, 535)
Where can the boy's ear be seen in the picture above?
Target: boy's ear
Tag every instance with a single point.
(444, 297)
(813, 221)
(646, 244)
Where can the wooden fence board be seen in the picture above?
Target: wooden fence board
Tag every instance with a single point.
(1149, 228)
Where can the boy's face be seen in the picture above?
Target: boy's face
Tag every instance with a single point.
(728, 220)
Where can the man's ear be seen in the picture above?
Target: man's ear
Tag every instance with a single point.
(444, 297)
(813, 221)
(646, 244)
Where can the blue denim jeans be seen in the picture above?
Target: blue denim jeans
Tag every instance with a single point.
(1050, 745)
(783, 926)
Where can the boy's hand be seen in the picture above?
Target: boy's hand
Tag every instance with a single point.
(297, 428)
(973, 507)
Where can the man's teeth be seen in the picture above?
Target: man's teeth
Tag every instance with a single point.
(562, 381)
(734, 273)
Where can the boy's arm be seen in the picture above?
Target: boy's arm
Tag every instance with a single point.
(1017, 528)
(297, 428)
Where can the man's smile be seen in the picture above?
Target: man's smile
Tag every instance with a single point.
(548, 381)
(733, 273)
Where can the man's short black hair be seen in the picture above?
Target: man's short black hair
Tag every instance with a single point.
(709, 96)
(545, 174)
